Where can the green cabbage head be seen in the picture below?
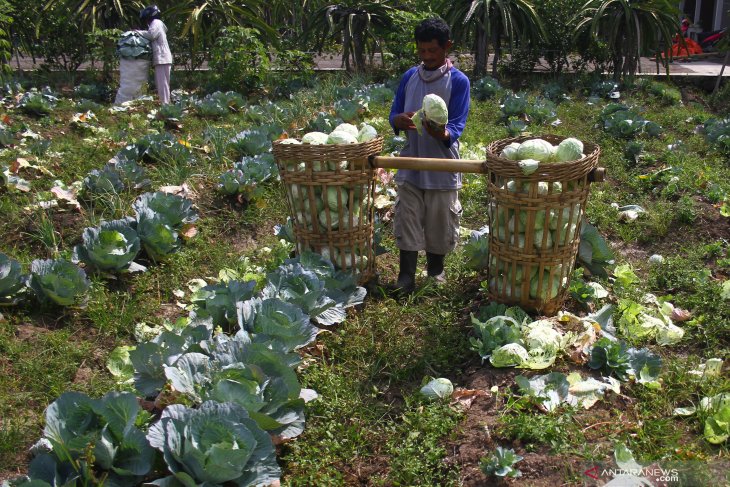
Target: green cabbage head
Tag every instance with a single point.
(509, 355)
(347, 127)
(341, 137)
(537, 149)
(315, 138)
(58, 281)
(510, 152)
(366, 133)
(569, 150)
(215, 444)
(434, 109)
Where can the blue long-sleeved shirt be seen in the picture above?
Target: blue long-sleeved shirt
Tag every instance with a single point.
(453, 87)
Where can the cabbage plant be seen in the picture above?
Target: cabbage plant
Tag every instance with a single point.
(231, 182)
(110, 247)
(102, 181)
(486, 88)
(163, 147)
(211, 108)
(215, 444)
(37, 103)
(323, 122)
(158, 237)
(248, 374)
(219, 300)
(150, 358)
(476, 250)
(294, 284)
(173, 209)
(513, 105)
(717, 133)
(341, 286)
(493, 333)
(274, 320)
(93, 439)
(247, 175)
(546, 391)
(251, 142)
(509, 355)
(541, 111)
(231, 99)
(611, 357)
(131, 174)
(12, 281)
(58, 281)
(501, 463)
(615, 358)
(349, 110)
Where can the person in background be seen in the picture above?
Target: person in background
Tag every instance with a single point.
(427, 209)
(161, 56)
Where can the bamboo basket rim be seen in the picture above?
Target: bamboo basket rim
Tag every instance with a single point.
(311, 151)
(546, 172)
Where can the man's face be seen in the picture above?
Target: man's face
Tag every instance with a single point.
(432, 54)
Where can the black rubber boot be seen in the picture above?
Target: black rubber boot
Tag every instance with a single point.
(407, 274)
(435, 267)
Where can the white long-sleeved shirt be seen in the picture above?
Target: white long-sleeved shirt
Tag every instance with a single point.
(157, 34)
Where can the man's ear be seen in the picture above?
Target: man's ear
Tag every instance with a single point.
(449, 44)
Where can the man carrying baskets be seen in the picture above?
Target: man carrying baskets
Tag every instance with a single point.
(427, 209)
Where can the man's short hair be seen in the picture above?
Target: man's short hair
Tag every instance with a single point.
(431, 29)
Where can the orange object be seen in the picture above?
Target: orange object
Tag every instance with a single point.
(688, 48)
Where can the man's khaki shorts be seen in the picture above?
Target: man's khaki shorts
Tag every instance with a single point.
(426, 219)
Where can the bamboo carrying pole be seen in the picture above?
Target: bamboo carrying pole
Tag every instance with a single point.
(477, 166)
(427, 164)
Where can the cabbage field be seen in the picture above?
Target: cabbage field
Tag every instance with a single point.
(157, 324)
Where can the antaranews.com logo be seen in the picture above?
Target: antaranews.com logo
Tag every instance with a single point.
(618, 477)
(671, 473)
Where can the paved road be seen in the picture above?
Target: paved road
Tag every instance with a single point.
(709, 66)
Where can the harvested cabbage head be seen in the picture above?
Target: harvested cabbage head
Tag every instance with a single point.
(569, 150)
(537, 149)
(347, 127)
(433, 110)
(290, 141)
(341, 137)
(510, 152)
(315, 138)
(366, 133)
(440, 388)
(528, 166)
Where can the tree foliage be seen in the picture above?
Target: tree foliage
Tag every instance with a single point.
(631, 28)
(485, 21)
(356, 25)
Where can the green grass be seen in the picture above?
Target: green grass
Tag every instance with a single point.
(368, 425)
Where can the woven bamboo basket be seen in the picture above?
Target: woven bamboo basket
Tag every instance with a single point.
(535, 224)
(330, 191)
